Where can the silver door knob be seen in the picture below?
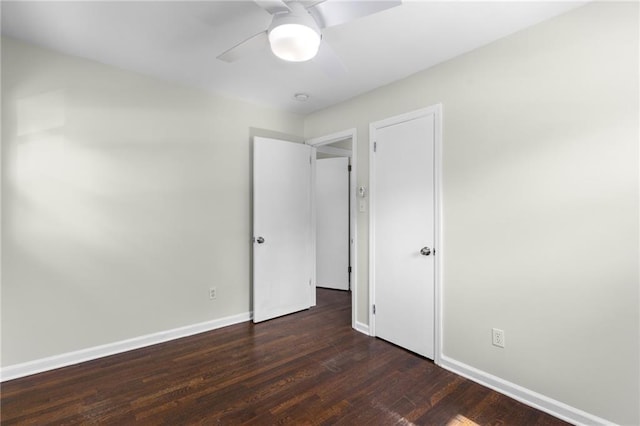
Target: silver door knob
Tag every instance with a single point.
(259, 240)
(425, 251)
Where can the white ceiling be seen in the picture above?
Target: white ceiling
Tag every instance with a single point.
(179, 41)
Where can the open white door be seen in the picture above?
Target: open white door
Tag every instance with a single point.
(282, 228)
(332, 223)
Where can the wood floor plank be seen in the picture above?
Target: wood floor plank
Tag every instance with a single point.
(306, 368)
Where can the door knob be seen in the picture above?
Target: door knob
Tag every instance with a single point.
(425, 251)
(259, 240)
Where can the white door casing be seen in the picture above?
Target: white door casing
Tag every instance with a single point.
(283, 253)
(403, 221)
(332, 223)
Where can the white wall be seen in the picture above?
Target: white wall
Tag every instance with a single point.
(540, 170)
(124, 199)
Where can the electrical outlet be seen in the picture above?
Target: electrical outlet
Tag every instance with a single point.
(213, 293)
(497, 337)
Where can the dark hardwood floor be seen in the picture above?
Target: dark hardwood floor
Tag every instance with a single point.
(305, 368)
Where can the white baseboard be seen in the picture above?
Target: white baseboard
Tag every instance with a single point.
(362, 328)
(526, 396)
(50, 363)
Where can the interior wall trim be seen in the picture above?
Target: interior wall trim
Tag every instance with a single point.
(70, 358)
(362, 328)
(526, 396)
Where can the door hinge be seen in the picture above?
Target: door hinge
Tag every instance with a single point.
(309, 282)
(349, 269)
(375, 146)
(349, 167)
(374, 309)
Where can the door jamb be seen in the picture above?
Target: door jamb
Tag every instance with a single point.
(317, 143)
(438, 217)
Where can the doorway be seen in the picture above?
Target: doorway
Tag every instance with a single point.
(340, 145)
(404, 223)
(333, 263)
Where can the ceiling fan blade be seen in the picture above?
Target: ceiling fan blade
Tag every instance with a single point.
(329, 61)
(273, 6)
(248, 47)
(330, 13)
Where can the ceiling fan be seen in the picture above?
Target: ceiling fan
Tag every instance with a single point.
(295, 33)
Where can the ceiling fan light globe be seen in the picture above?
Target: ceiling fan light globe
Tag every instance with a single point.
(294, 42)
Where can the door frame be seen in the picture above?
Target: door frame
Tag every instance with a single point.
(353, 230)
(436, 110)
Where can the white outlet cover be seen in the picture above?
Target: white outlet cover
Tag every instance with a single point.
(497, 337)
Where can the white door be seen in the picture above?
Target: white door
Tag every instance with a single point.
(332, 223)
(283, 253)
(403, 231)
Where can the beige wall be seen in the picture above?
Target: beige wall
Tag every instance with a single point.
(540, 191)
(123, 200)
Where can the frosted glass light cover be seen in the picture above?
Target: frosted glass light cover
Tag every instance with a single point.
(294, 42)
